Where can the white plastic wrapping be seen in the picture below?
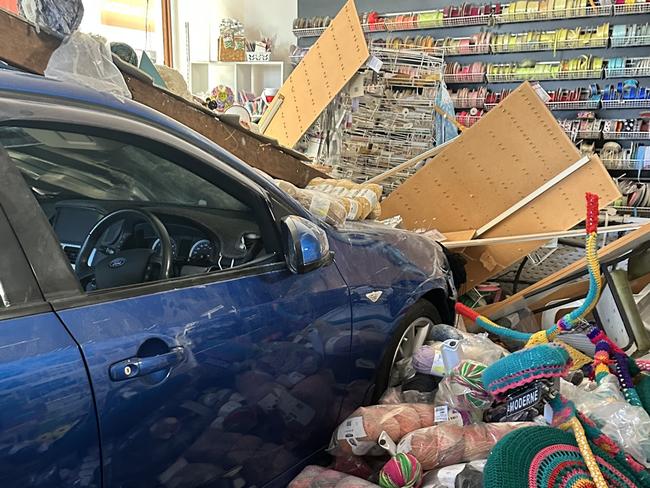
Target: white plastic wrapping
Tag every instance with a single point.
(449, 476)
(85, 61)
(626, 424)
(60, 16)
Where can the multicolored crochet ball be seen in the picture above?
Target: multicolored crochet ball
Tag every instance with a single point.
(402, 471)
(545, 457)
(525, 366)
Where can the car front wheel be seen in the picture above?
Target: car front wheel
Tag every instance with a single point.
(410, 335)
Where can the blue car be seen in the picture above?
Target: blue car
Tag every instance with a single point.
(168, 316)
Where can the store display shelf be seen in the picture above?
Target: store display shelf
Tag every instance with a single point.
(589, 134)
(620, 104)
(626, 135)
(629, 164)
(574, 105)
(413, 82)
(465, 78)
(633, 8)
(567, 13)
(550, 46)
(469, 103)
(466, 50)
(468, 120)
(309, 32)
(627, 72)
(545, 76)
(631, 41)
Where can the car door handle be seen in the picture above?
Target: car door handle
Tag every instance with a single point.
(135, 367)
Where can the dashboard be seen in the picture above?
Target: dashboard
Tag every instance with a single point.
(201, 238)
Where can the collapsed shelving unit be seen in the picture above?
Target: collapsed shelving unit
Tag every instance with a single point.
(391, 121)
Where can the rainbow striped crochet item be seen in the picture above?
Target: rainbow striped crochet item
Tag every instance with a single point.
(523, 367)
(544, 457)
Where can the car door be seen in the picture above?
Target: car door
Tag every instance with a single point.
(48, 427)
(238, 371)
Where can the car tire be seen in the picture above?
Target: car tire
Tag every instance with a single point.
(422, 310)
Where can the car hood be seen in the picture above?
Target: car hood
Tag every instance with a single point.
(374, 254)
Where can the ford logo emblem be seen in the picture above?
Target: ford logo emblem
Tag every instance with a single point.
(117, 263)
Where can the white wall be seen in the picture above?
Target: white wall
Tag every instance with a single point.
(138, 39)
(260, 17)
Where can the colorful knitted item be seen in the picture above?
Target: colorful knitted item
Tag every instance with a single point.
(525, 366)
(643, 390)
(401, 471)
(544, 457)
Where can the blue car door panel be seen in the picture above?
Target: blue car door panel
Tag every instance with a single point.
(48, 426)
(235, 379)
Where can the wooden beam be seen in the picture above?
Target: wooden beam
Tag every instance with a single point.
(542, 236)
(24, 48)
(616, 248)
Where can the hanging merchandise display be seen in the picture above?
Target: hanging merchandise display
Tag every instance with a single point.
(386, 116)
(232, 43)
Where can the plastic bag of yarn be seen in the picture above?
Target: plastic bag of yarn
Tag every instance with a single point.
(395, 395)
(401, 471)
(62, 17)
(318, 477)
(604, 404)
(82, 60)
(359, 433)
(446, 444)
(465, 475)
(463, 389)
(478, 347)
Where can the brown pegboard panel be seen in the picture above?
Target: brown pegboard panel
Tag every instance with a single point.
(509, 153)
(337, 55)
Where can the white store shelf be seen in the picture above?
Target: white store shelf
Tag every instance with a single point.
(559, 75)
(249, 76)
(626, 103)
(574, 105)
(550, 46)
(626, 135)
(630, 41)
(630, 9)
(465, 78)
(631, 164)
(566, 13)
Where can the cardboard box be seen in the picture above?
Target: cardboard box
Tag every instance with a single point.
(232, 48)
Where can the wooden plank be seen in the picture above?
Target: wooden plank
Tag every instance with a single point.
(618, 247)
(29, 50)
(529, 198)
(459, 235)
(513, 150)
(451, 244)
(330, 63)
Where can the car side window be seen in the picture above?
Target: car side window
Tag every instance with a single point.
(128, 211)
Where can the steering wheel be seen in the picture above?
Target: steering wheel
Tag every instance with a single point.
(125, 267)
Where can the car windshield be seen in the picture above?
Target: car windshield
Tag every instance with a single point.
(65, 165)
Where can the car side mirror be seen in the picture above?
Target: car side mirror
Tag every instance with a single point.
(307, 244)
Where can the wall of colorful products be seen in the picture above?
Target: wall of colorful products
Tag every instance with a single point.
(592, 57)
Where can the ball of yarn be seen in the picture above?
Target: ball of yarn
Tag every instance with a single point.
(125, 52)
(402, 471)
(61, 17)
(427, 358)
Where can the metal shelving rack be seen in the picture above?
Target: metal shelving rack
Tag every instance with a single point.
(584, 16)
